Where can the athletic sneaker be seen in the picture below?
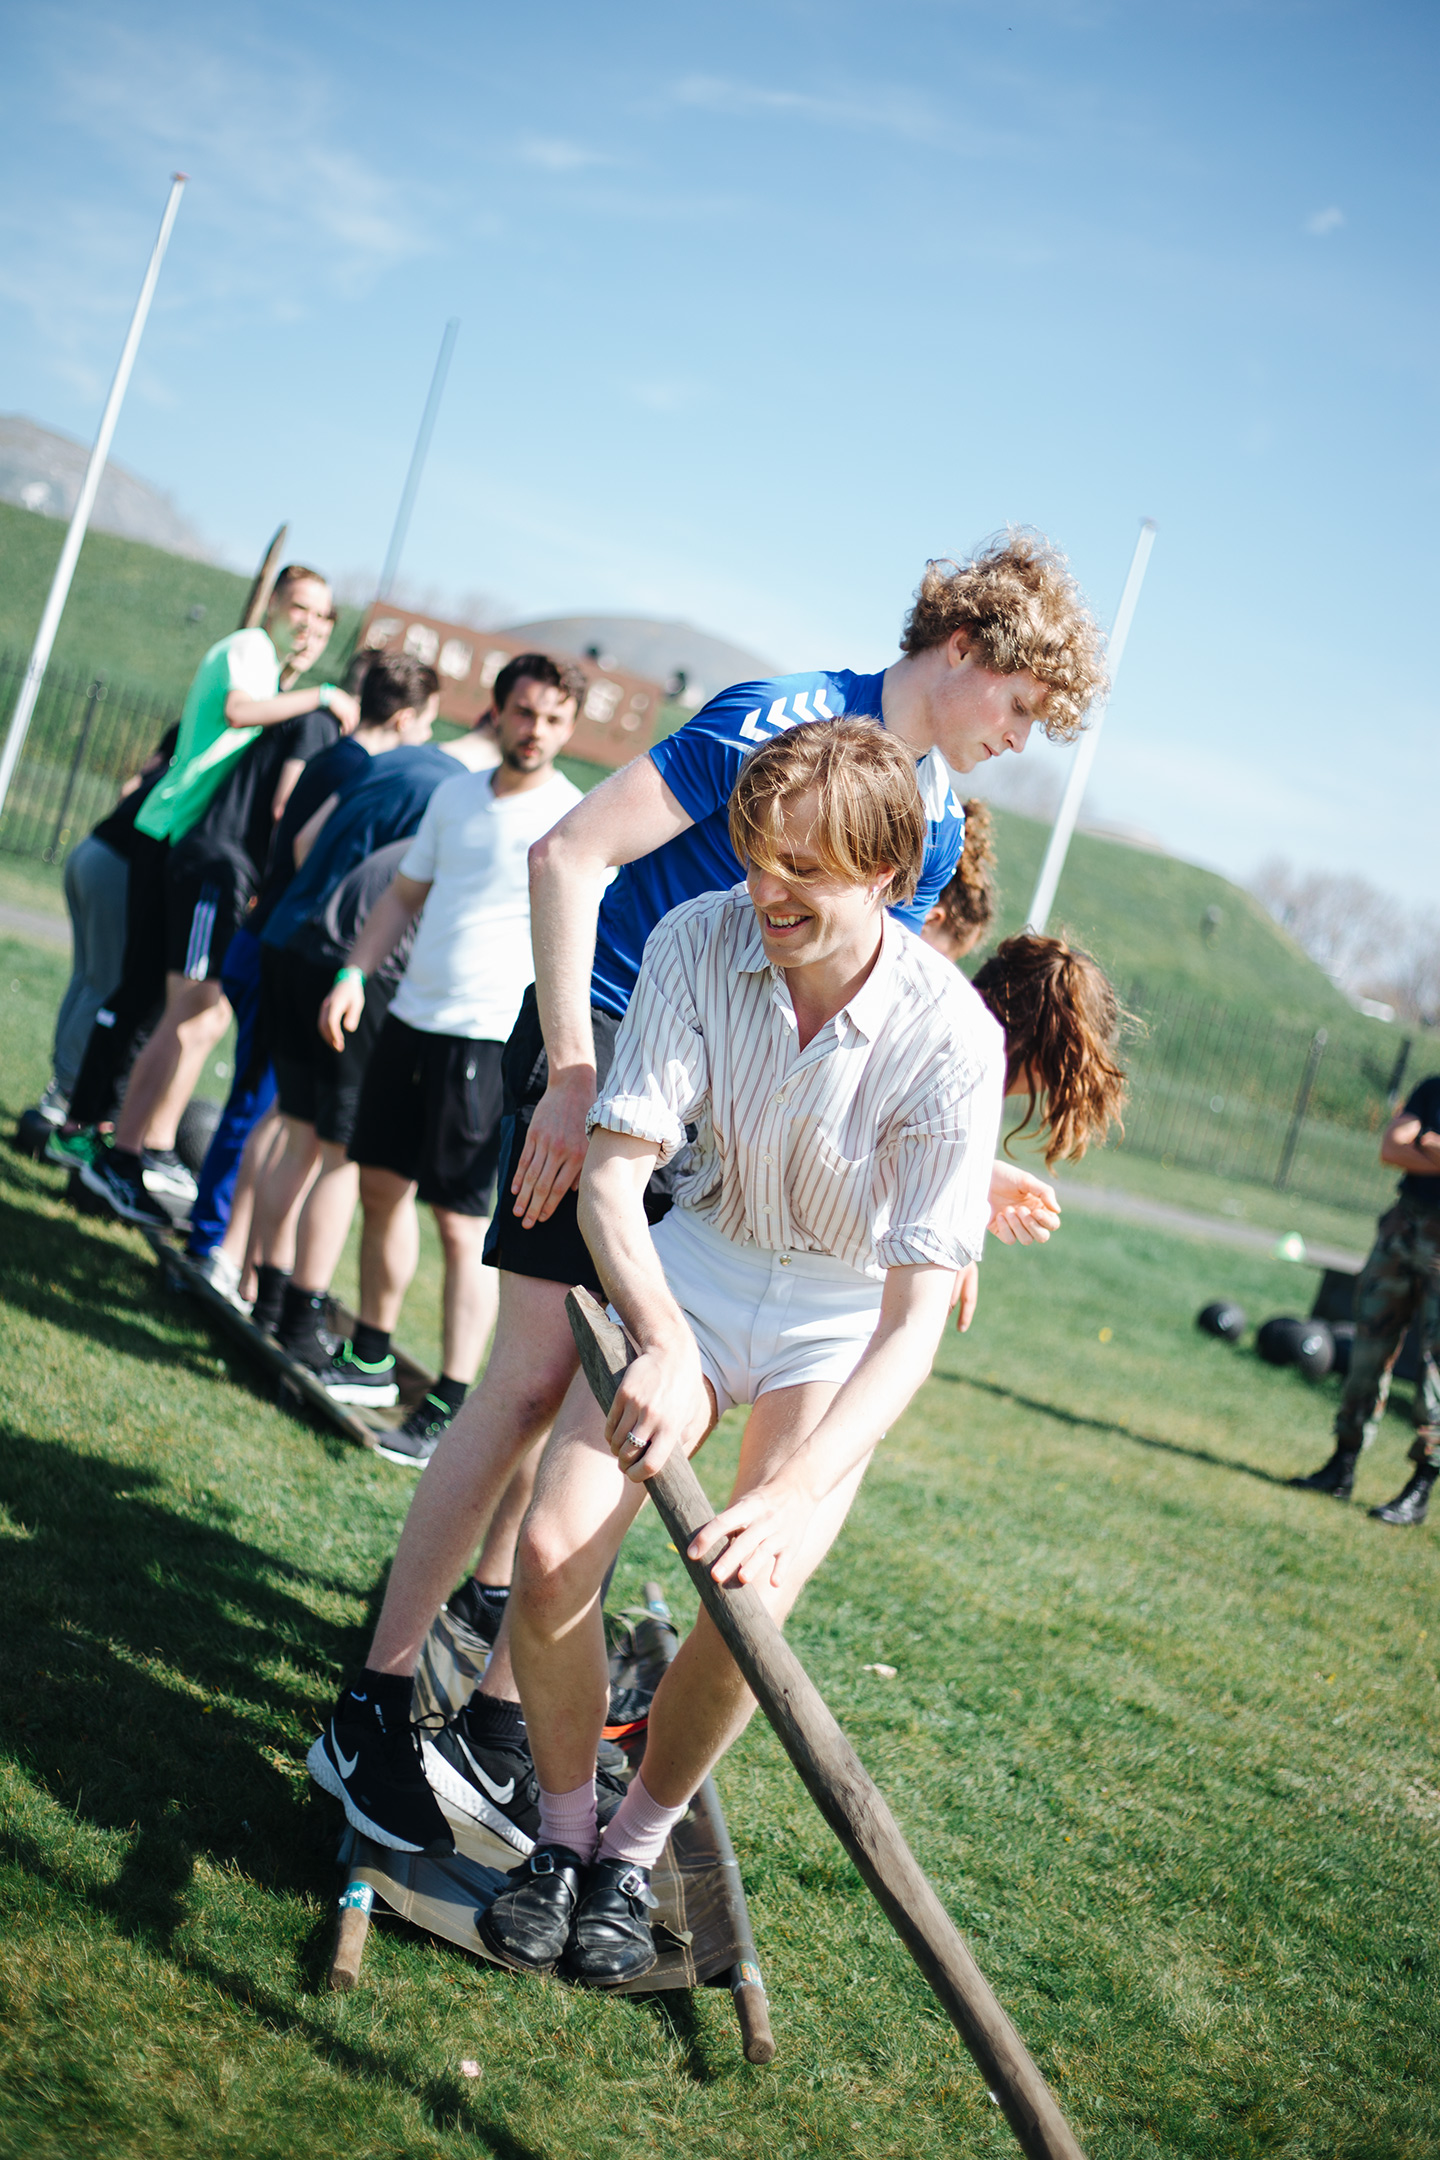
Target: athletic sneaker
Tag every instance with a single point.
(350, 1379)
(220, 1271)
(54, 1104)
(495, 1783)
(72, 1150)
(491, 1783)
(375, 1772)
(414, 1442)
(167, 1176)
(124, 1196)
(474, 1617)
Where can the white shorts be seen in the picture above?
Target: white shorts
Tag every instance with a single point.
(765, 1320)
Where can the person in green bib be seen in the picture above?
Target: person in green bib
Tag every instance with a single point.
(189, 909)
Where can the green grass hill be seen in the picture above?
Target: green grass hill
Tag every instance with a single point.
(1141, 914)
(129, 615)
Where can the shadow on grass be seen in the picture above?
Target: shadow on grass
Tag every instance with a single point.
(129, 1626)
(1078, 1419)
(60, 1270)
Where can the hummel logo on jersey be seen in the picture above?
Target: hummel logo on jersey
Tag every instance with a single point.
(779, 719)
(347, 1765)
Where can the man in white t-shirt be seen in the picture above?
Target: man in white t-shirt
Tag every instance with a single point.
(429, 1120)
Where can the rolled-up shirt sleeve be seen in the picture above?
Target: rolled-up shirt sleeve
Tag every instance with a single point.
(937, 1170)
(659, 1074)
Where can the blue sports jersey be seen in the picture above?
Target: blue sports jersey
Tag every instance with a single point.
(378, 807)
(699, 764)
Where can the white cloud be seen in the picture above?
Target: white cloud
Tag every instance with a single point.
(1324, 222)
(552, 153)
(896, 112)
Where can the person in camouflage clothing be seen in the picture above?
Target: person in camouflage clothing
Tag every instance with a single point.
(1400, 1283)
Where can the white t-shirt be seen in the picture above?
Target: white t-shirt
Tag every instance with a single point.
(471, 964)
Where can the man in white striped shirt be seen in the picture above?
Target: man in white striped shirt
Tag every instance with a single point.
(844, 1086)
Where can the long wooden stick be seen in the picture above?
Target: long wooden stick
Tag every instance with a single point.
(838, 1782)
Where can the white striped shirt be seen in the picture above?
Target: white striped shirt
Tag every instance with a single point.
(874, 1143)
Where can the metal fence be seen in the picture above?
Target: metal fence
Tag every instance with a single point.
(1263, 1101)
(87, 735)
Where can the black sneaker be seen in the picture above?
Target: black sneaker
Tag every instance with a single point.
(611, 1939)
(492, 1783)
(414, 1442)
(376, 1774)
(124, 1196)
(350, 1379)
(167, 1177)
(528, 1924)
(475, 1617)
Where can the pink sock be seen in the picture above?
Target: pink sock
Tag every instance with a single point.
(638, 1829)
(568, 1818)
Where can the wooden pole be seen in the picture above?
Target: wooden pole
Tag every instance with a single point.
(838, 1782)
(258, 597)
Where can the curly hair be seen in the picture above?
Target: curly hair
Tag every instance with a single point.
(1020, 606)
(966, 908)
(1062, 1024)
(870, 817)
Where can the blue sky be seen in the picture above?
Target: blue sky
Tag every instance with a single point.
(763, 305)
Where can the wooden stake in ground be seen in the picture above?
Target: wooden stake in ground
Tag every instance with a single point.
(838, 1782)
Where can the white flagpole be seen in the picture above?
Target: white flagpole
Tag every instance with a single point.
(1069, 811)
(80, 517)
(417, 460)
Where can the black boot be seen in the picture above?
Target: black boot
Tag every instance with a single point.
(1336, 1477)
(1409, 1506)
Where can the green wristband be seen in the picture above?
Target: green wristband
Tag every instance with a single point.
(350, 974)
(325, 692)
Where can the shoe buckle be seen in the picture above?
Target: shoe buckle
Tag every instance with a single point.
(542, 1863)
(632, 1884)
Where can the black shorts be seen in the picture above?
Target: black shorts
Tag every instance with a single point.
(203, 910)
(316, 1084)
(553, 1251)
(430, 1112)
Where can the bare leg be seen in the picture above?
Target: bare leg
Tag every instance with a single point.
(325, 1219)
(496, 1564)
(581, 1511)
(164, 1076)
(281, 1191)
(389, 1245)
(472, 1294)
(531, 1365)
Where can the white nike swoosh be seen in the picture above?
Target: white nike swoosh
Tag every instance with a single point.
(346, 1768)
(498, 1793)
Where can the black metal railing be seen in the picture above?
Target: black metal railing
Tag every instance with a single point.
(1260, 1100)
(88, 734)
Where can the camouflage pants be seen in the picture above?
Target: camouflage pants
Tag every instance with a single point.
(1400, 1282)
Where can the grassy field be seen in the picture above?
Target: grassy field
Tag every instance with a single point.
(129, 614)
(1162, 1732)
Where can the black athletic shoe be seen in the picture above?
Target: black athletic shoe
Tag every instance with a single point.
(350, 1379)
(414, 1442)
(168, 1178)
(528, 1925)
(474, 1617)
(124, 1196)
(376, 1774)
(491, 1783)
(611, 1939)
(1410, 1506)
(1336, 1477)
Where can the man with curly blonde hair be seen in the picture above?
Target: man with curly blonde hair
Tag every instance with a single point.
(991, 649)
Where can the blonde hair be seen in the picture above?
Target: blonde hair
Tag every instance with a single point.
(870, 817)
(1020, 607)
(1062, 1024)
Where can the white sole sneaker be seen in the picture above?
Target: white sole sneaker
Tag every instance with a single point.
(350, 1391)
(447, 1784)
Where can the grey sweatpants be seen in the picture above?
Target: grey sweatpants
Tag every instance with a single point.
(97, 883)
